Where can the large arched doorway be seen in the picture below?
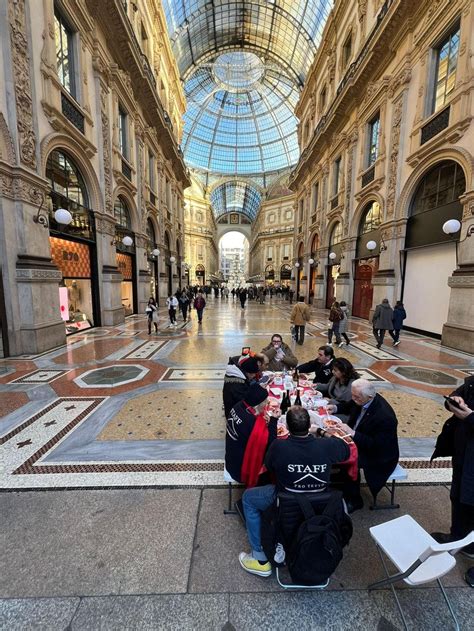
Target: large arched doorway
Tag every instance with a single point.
(125, 254)
(430, 254)
(366, 262)
(333, 264)
(73, 248)
(234, 258)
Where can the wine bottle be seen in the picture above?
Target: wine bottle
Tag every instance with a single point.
(284, 405)
(298, 398)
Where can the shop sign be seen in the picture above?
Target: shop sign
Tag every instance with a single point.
(73, 259)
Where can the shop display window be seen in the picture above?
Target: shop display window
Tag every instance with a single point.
(79, 304)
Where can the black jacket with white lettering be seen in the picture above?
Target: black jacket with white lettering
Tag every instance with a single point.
(304, 464)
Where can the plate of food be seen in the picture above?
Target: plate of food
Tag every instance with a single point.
(331, 422)
(282, 431)
(340, 433)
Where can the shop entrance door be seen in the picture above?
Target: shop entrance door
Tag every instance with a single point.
(363, 287)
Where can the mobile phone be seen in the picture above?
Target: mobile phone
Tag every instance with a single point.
(245, 350)
(452, 402)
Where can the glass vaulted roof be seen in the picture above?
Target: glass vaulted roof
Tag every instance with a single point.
(243, 64)
(236, 197)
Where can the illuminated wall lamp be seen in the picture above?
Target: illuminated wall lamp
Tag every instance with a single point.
(61, 216)
(453, 225)
(172, 259)
(311, 261)
(333, 255)
(297, 264)
(156, 252)
(127, 241)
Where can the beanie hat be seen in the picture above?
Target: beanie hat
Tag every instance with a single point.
(249, 364)
(255, 395)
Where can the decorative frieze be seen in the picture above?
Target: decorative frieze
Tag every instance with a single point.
(394, 150)
(106, 152)
(21, 71)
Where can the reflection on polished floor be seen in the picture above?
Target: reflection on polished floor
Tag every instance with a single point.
(119, 407)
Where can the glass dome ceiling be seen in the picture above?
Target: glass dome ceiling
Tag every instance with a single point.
(243, 64)
(236, 197)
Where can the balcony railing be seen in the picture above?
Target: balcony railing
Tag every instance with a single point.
(72, 113)
(435, 126)
(368, 176)
(126, 170)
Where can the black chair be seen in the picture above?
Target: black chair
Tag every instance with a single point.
(290, 517)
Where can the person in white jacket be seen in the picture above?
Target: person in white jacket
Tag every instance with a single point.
(172, 304)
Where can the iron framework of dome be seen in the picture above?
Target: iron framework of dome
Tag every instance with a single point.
(243, 64)
(237, 197)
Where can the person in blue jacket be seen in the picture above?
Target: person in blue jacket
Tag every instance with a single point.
(399, 314)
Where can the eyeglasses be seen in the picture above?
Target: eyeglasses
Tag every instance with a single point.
(276, 341)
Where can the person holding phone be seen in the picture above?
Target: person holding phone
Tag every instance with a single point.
(457, 440)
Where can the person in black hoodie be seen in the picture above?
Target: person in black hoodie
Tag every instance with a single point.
(372, 424)
(457, 440)
(321, 366)
(302, 463)
(238, 378)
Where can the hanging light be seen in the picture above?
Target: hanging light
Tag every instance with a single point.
(451, 226)
(371, 245)
(311, 261)
(156, 252)
(297, 264)
(63, 216)
(172, 259)
(332, 255)
(127, 241)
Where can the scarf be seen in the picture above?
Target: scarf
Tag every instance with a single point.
(254, 452)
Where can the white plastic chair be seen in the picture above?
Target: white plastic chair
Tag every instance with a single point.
(417, 556)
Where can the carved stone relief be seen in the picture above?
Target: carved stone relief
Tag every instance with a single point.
(21, 71)
(394, 150)
(7, 150)
(106, 149)
(348, 192)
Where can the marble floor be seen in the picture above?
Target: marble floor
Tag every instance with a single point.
(118, 407)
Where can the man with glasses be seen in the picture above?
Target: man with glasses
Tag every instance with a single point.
(279, 354)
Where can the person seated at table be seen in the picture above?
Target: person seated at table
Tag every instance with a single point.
(249, 432)
(237, 380)
(280, 356)
(372, 424)
(301, 464)
(321, 366)
(338, 389)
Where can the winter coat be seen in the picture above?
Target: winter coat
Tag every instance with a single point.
(288, 361)
(343, 323)
(457, 440)
(236, 386)
(172, 303)
(300, 314)
(322, 372)
(383, 316)
(399, 314)
(335, 315)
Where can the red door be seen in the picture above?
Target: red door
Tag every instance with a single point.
(363, 288)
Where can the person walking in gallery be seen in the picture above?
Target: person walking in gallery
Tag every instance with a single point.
(243, 297)
(399, 314)
(300, 314)
(382, 321)
(335, 318)
(152, 314)
(184, 305)
(172, 304)
(343, 323)
(199, 304)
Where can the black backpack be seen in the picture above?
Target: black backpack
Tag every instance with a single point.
(316, 550)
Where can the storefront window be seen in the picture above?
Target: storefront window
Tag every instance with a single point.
(372, 218)
(122, 214)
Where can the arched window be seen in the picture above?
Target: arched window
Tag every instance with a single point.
(122, 213)
(178, 248)
(167, 241)
(314, 244)
(150, 231)
(336, 234)
(371, 218)
(66, 180)
(442, 185)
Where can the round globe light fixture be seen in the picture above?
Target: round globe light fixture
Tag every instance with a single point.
(172, 259)
(156, 252)
(127, 241)
(332, 255)
(297, 264)
(311, 261)
(371, 245)
(451, 226)
(63, 216)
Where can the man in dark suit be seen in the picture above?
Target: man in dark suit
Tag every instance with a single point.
(372, 424)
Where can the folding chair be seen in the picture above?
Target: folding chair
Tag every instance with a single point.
(417, 556)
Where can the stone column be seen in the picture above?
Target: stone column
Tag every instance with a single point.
(112, 311)
(458, 332)
(144, 276)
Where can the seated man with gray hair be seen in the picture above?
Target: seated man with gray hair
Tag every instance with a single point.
(372, 423)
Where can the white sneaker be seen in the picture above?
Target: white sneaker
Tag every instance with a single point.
(341, 344)
(396, 343)
(280, 555)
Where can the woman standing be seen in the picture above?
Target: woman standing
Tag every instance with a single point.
(343, 323)
(335, 317)
(152, 314)
(172, 304)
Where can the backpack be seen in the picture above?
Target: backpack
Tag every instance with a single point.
(316, 550)
(336, 315)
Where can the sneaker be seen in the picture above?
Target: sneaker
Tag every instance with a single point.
(379, 345)
(280, 554)
(252, 566)
(396, 343)
(341, 344)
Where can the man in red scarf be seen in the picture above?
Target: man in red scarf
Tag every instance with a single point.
(248, 436)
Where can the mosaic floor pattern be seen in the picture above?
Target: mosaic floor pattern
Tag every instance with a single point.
(117, 407)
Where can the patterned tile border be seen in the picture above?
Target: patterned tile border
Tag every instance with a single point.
(40, 376)
(370, 375)
(468, 372)
(145, 350)
(376, 353)
(194, 374)
(127, 333)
